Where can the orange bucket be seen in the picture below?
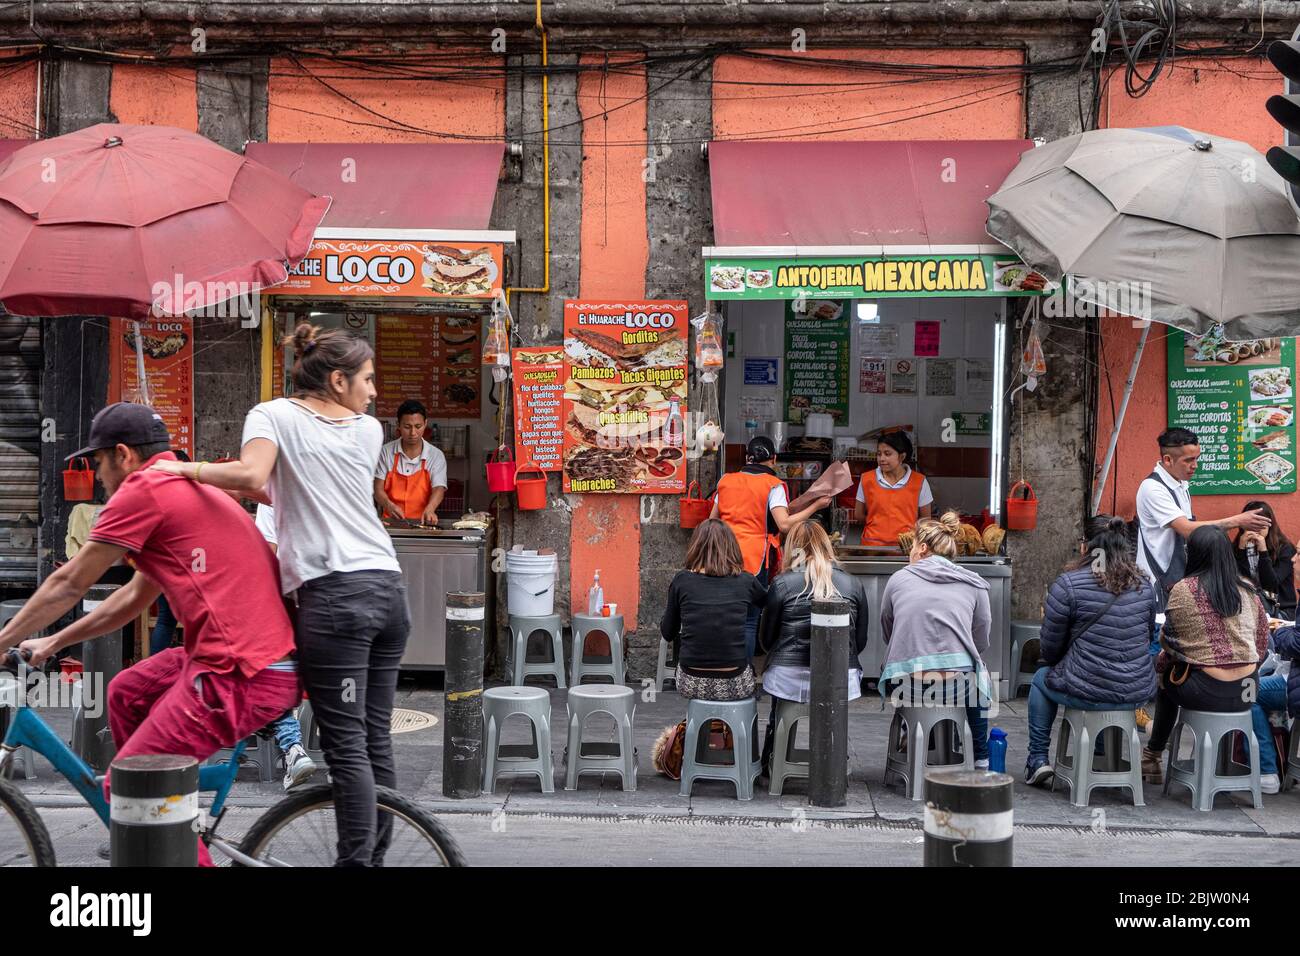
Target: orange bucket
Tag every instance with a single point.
(500, 472)
(79, 483)
(694, 510)
(1022, 513)
(530, 492)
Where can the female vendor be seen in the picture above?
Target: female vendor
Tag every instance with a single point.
(894, 496)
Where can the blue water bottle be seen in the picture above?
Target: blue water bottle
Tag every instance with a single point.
(998, 750)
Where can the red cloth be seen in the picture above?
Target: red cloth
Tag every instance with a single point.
(155, 708)
(218, 573)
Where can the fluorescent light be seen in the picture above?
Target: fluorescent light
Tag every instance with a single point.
(999, 360)
(868, 312)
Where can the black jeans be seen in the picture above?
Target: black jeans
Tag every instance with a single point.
(351, 631)
(1198, 692)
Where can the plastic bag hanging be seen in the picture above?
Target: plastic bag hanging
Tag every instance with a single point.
(496, 346)
(708, 345)
(1033, 363)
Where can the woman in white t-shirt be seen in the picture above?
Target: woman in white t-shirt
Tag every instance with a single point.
(316, 455)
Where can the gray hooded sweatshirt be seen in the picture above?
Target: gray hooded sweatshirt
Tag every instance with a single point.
(935, 616)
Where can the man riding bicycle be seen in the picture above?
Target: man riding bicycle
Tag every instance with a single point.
(236, 672)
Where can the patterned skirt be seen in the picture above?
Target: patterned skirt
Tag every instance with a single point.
(716, 688)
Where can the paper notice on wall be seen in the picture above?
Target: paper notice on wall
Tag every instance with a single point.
(940, 377)
(758, 408)
(926, 339)
(979, 376)
(877, 340)
(872, 374)
(902, 377)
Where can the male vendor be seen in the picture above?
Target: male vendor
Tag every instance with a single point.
(411, 477)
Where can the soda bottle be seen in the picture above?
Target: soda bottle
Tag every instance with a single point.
(595, 597)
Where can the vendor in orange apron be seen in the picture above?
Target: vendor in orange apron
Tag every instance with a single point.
(894, 496)
(754, 503)
(411, 477)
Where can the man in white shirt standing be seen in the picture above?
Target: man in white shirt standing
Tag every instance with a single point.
(411, 477)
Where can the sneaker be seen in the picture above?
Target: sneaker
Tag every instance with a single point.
(1270, 783)
(1152, 771)
(297, 766)
(982, 764)
(1038, 772)
(1143, 719)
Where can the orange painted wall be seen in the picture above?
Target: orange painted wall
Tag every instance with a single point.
(606, 529)
(154, 96)
(18, 102)
(874, 105)
(1216, 100)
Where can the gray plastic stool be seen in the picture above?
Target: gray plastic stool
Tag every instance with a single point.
(698, 763)
(24, 758)
(787, 760)
(500, 703)
(261, 752)
(666, 670)
(917, 723)
(1292, 756)
(611, 667)
(518, 666)
(581, 757)
(1202, 774)
(1022, 632)
(1080, 730)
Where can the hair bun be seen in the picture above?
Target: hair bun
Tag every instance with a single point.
(951, 522)
(304, 336)
(1117, 524)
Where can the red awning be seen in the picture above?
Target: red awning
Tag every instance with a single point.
(393, 185)
(821, 194)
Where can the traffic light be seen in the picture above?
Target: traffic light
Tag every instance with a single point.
(1285, 108)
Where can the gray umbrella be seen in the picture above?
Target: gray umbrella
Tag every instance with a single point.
(1203, 219)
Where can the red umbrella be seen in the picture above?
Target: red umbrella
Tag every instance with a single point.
(120, 220)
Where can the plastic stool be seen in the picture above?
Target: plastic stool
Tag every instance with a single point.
(585, 625)
(1292, 756)
(518, 666)
(500, 703)
(787, 760)
(24, 758)
(1085, 728)
(917, 723)
(1201, 774)
(1022, 632)
(741, 716)
(666, 670)
(260, 751)
(618, 702)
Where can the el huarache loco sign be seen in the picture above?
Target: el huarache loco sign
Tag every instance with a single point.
(396, 269)
(624, 396)
(885, 277)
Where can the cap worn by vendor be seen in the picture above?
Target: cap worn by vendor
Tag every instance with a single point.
(124, 423)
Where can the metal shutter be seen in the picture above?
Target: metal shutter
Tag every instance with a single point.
(20, 435)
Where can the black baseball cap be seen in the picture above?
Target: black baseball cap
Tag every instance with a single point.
(124, 423)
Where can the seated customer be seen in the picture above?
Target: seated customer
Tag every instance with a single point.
(809, 573)
(1268, 563)
(708, 603)
(936, 619)
(1215, 635)
(1097, 622)
(1278, 693)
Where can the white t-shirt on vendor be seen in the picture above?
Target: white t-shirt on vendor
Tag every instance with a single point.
(1156, 510)
(323, 488)
(431, 459)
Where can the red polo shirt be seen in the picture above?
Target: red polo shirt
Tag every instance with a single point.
(204, 551)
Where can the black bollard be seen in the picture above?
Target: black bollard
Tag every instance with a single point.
(967, 818)
(828, 709)
(462, 728)
(101, 661)
(153, 811)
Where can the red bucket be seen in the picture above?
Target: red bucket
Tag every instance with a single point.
(69, 670)
(694, 510)
(1022, 513)
(79, 483)
(530, 492)
(500, 472)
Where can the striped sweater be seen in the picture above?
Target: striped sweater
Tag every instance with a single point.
(1195, 633)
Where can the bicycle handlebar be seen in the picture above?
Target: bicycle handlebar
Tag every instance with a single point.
(13, 657)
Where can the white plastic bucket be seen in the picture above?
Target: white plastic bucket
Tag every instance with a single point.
(531, 583)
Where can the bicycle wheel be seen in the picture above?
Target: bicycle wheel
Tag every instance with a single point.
(24, 841)
(301, 831)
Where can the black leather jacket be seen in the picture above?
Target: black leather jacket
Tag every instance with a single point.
(786, 628)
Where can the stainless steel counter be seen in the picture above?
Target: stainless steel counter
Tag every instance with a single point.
(875, 567)
(435, 561)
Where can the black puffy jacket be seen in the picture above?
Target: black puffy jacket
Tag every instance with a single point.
(786, 628)
(1110, 662)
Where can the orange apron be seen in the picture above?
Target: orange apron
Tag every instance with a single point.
(411, 493)
(890, 511)
(742, 504)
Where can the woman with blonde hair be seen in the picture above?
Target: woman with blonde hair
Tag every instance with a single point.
(708, 602)
(936, 619)
(809, 572)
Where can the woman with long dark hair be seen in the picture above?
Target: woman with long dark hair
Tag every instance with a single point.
(1097, 624)
(316, 453)
(1265, 558)
(1215, 635)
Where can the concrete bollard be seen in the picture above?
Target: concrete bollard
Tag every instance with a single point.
(968, 818)
(462, 725)
(828, 711)
(152, 813)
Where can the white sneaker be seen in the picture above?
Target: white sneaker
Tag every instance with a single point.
(1270, 783)
(981, 765)
(297, 766)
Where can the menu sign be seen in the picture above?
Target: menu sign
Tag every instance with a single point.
(1239, 399)
(168, 346)
(397, 269)
(625, 396)
(434, 359)
(539, 388)
(817, 360)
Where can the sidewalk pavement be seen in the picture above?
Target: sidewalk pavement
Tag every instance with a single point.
(419, 763)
